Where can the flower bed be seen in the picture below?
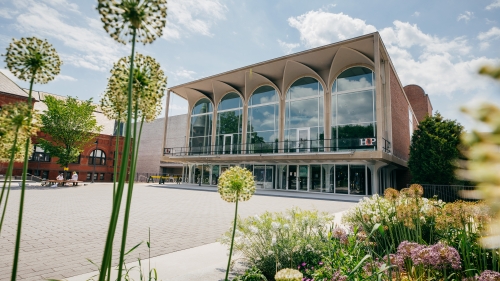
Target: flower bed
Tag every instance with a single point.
(398, 236)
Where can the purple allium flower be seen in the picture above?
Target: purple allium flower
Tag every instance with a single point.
(489, 275)
(404, 252)
(338, 276)
(320, 263)
(340, 234)
(304, 264)
(298, 267)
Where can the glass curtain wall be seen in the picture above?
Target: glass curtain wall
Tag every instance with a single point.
(200, 135)
(229, 124)
(353, 110)
(263, 119)
(304, 116)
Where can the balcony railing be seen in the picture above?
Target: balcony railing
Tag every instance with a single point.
(302, 146)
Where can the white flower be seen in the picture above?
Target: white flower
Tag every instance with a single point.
(254, 229)
(275, 225)
(257, 218)
(270, 252)
(273, 241)
(286, 226)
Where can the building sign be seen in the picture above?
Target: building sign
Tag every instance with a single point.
(367, 141)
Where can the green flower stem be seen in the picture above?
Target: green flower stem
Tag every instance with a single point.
(123, 174)
(23, 187)
(8, 177)
(232, 238)
(131, 179)
(115, 165)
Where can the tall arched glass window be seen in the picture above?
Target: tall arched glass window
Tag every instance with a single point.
(304, 116)
(97, 157)
(353, 109)
(200, 134)
(263, 119)
(229, 124)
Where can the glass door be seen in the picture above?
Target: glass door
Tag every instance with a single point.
(292, 177)
(303, 140)
(228, 144)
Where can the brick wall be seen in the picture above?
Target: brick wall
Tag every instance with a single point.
(419, 101)
(106, 143)
(8, 98)
(400, 120)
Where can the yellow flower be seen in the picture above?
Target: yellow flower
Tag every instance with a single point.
(391, 194)
(31, 57)
(236, 184)
(120, 18)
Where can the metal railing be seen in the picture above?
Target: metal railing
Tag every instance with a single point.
(447, 193)
(302, 146)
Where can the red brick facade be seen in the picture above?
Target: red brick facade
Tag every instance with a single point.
(400, 120)
(84, 169)
(419, 101)
(6, 98)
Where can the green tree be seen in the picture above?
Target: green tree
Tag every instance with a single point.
(71, 127)
(434, 151)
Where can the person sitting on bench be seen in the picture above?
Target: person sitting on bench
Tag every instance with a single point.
(60, 177)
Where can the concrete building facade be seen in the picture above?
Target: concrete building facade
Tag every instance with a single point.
(333, 119)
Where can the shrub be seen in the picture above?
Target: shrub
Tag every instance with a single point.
(273, 241)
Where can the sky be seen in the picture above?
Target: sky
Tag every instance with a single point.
(439, 45)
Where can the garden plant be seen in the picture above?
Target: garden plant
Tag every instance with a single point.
(34, 60)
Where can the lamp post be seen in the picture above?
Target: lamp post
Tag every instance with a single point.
(39, 155)
(95, 152)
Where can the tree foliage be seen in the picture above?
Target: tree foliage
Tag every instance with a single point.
(71, 127)
(434, 150)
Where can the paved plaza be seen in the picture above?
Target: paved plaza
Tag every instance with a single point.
(65, 226)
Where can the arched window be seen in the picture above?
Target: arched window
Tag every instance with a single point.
(200, 135)
(229, 124)
(304, 116)
(263, 119)
(98, 157)
(353, 109)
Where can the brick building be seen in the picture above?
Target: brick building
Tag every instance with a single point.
(334, 119)
(97, 159)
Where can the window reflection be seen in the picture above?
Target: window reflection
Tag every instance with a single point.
(229, 124)
(201, 127)
(304, 115)
(263, 118)
(353, 109)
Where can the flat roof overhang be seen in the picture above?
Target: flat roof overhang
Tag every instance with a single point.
(367, 156)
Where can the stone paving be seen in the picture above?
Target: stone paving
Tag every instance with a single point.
(64, 226)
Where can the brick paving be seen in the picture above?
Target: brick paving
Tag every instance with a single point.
(64, 226)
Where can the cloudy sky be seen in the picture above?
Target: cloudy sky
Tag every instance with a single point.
(438, 45)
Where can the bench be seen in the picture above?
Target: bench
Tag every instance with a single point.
(62, 182)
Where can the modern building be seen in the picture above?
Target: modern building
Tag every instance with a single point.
(334, 119)
(95, 162)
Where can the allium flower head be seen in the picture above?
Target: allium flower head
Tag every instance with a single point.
(236, 184)
(14, 121)
(391, 194)
(31, 57)
(288, 274)
(489, 275)
(149, 87)
(120, 18)
(416, 190)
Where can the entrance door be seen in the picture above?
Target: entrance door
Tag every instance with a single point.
(228, 144)
(292, 177)
(303, 140)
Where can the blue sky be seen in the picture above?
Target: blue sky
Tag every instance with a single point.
(438, 45)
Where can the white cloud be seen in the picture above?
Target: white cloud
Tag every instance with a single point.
(288, 47)
(184, 74)
(465, 16)
(7, 13)
(444, 67)
(488, 21)
(192, 16)
(65, 78)
(320, 28)
(495, 4)
(416, 14)
(92, 47)
(492, 34)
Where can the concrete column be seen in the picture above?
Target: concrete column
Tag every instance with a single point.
(244, 127)
(376, 177)
(281, 127)
(167, 104)
(379, 106)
